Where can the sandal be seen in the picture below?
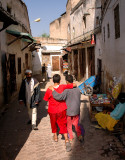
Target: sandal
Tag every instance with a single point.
(55, 139)
(71, 140)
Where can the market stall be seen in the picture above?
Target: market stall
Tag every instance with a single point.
(97, 104)
(103, 102)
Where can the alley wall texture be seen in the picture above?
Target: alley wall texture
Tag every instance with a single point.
(13, 61)
(114, 48)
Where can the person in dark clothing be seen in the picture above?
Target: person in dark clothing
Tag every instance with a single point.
(29, 95)
(44, 72)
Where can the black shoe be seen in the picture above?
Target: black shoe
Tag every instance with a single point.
(34, 127)
(81, 139)
(29, 122)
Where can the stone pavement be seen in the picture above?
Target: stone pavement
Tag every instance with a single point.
(19, 142)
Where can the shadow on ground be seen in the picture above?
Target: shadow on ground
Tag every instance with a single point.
(14, 130)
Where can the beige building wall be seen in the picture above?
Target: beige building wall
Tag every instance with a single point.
(113, 48)
(19, 12)
(83, 23)
(72, 3)
(80, 26)
(68, 26)
(58, 28)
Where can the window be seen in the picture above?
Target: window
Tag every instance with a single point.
(73, 31)
(117, 22)
(97, 20)
(68, 28)
(19, 65)
(84, 20)
(104, 33)
(108, 30)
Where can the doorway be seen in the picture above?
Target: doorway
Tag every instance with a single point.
(76, 64)
(12, 73)
(91, 61)
(55, 63)
(82, 63)
(99, 69)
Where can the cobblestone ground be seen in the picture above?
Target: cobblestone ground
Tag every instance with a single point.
(19, 142)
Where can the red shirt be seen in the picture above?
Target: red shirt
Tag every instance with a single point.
(54, 105)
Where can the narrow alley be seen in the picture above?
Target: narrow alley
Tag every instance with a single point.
(80, 38)
(19, 142)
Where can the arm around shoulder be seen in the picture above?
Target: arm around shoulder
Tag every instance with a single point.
(59, 96)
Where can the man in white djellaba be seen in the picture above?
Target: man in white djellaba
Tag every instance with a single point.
(49, 71)
(29, 95)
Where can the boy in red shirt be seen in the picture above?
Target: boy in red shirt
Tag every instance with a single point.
(57, 110)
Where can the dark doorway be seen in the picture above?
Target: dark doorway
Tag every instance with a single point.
(99, 67)
(70, 61)
(12, 73)
(5, 69)
(91, 61)
(76, 64)
(82, 59)
(99, 70)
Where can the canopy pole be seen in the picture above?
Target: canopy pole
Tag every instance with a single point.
(14, 40)
(27, 46)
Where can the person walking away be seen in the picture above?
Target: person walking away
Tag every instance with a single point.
(49, 71)
(44, 72)
(72, 98)
(57, 110)
(29, 95)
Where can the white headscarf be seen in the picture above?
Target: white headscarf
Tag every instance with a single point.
(28, 71)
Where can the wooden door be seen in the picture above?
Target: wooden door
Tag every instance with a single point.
(91, 61)
(76, 64)
(82, 62)
(55, 63)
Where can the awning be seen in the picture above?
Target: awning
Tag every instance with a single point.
(68, 49)
(21, 35)
(25, 36)
(6, 18)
